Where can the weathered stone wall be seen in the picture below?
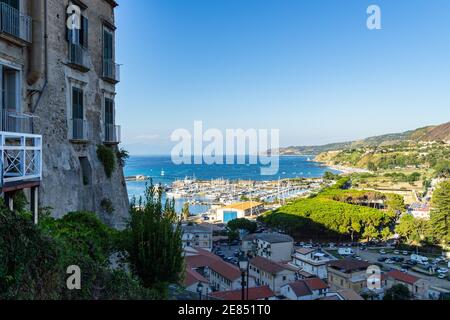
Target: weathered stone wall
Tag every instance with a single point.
(63, 188)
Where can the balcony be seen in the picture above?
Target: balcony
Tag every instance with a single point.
(12, 121)
(111, 71)
(112, 134)
(14, 25)
(20, 158)
(78, 130)
(78, 57)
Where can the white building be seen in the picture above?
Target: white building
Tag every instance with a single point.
(270, 273)
(274, 246)
(197, 236)
(312, 261)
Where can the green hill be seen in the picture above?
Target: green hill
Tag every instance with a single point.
(430, 133)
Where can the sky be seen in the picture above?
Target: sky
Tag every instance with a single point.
(310, 68)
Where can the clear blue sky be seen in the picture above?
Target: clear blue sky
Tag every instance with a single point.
(310, 68)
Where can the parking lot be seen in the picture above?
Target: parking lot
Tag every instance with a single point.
(228, 253)
(374, 255)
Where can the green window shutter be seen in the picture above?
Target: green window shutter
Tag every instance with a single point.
(84, 32)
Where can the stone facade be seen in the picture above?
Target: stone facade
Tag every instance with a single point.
(73, 178)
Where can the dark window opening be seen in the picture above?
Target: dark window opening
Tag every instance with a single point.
(86, 170)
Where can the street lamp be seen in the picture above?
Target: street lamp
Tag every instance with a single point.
(200, 290)
(243, 266)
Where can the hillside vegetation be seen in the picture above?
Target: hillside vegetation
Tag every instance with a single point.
(426, 134)
(339, 213)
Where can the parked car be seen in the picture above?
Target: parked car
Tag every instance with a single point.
(382, 252)
(405, 253)
(419, 259)
(411, 262)
(396, 252)
(382, 259)
(404, 270)
(398, 259)
(389, 261)
(442, 270)
(442, 276)
(406, 266)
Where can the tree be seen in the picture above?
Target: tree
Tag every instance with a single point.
(153, 241)
(372, 166)
(440, 215)
(243, 224)
(406, 227)
(370, 233)
(398, 292)
(185, 212)
(330, 176)
(386, 234)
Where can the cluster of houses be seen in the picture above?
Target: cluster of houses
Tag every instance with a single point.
(279, 271)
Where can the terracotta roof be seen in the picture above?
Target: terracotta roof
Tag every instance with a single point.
(330, 298)
(268, 265)
(315, 284)
(243, 205)
(351, 295)
(402, 277)
(300, 288)
(257, 293)
(205, 258)
(227, 270)
(348, 265)
(193, 277)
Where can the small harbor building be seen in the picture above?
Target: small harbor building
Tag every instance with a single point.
(239, 210)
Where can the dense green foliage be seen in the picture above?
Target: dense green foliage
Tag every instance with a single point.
(153, 241)
(398, 292)
(28, 259)
(243, 224)
(337, 212)
(107, 158)
(331, 176)
(440, 215)
(122, 157)
(34, 260)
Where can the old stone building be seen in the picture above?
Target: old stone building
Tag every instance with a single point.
(58, 81)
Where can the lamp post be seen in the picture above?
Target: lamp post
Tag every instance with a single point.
(243, 266)
(200, 290)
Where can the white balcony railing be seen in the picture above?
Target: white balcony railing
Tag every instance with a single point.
(112, 133)
(111, 70)
(21, 157)
(78, 130)
(15, 23)
(12, 121)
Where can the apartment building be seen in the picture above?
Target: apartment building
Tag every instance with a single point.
(348, 274)
(270, 273)
(58, 77)
(197, 236)
(312, 261)
(274, 246)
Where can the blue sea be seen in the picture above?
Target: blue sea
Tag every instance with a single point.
(154, 166)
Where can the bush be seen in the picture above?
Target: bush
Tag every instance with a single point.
(107, 158)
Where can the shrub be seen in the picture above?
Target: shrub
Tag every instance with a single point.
(107, 206)
(107, 158)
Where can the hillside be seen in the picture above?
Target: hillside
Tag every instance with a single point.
(430, 133)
